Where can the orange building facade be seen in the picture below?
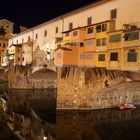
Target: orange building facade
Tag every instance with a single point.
(100, 45)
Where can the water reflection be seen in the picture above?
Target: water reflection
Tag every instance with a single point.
(39, 108)
(108, 124)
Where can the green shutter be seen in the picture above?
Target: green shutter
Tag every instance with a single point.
(115, 38)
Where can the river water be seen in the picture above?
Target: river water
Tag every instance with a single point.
(104, 124)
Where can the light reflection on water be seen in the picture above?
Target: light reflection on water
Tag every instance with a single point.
(107, 124)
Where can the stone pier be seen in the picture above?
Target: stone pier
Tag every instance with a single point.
(95, 88)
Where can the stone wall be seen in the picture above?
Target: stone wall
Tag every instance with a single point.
(21, 77)
(80, 88)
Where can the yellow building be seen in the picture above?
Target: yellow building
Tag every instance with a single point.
(15, 54)
(102, 42)
(3, 48)
(114, 50)
(131, 49)
(85, 46)
(68, 50)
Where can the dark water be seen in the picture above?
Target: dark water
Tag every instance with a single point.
(106, 124)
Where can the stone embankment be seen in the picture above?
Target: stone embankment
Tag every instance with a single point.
(94, 88)
(21, 77)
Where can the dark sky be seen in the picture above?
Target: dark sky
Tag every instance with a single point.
(30, 13)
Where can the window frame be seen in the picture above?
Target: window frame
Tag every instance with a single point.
(89, 21)
(114, 56)
(113, 13)
(101, 57)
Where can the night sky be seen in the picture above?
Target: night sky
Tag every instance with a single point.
(30, 13)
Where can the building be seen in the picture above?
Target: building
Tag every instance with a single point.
(3, 49)
(101, 34)
(7, 25)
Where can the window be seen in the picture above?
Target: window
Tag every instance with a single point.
(56, 30)
(89, 30)
(36, 36)
(22, 40)
(58, 55)
(98, 28)
(89, 20)
(101, 57)
(89, 56)
(58, 45)
(4, 45)
(103, 41)
(0, 44)
(67, 34)
(70, 26)
(18, 59)
(75, 33)
(115, 38)
(132, 56)
(18, 50)
(45, 33)
(114, 56)
(89, 43)
(131, 36)
(98, 42)
(81, 56)
(23, 59)
(104, 27)
(101, 27)
(17, 41)
(113, 14)
(28, 38)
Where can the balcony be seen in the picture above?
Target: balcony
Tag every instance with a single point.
(115, 40)
(104, 27)
(131, 39)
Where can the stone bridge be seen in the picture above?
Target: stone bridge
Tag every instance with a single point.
(43, 64)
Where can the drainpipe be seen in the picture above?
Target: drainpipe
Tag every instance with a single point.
(122, 53)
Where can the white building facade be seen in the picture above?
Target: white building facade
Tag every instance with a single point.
(44, 35)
